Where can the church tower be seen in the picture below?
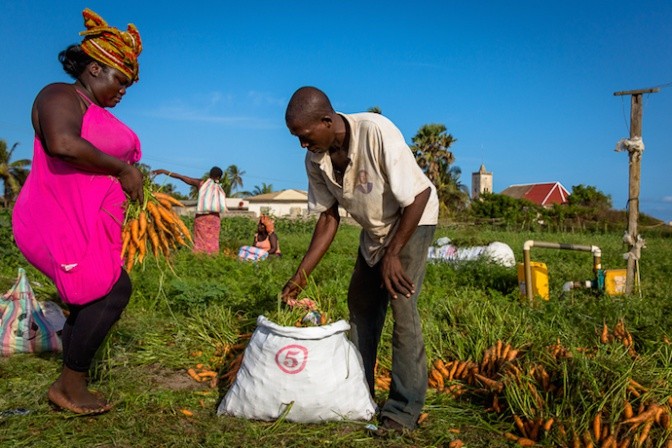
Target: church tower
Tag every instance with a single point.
(481, 182)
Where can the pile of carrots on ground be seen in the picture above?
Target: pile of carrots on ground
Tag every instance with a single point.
(501, 367)
(153, 227)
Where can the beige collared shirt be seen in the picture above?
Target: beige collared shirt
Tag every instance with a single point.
(381, 179)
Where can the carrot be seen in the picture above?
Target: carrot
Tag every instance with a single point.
(604, 337)
(525, 442)
(597, 426)
(633, 391)
(187, 412)
(166, 214)
(587, 440)
(534, 429)
(460, 369)
(665, 420)
(135, 228)
(498, 349)
(636, 385)
(126, 237)
(453, 369)
(486, 360)
(154, 212)
(495, 404)
(505, 351)
(512, 437)
(441, 367)
(520, 425)
(192, 373)
(457, 443)
(142, 250)
(512, 355)
(154, 238)
(609, 442)
(130, 257)
(207, 374)
(438, 378)
(625, 443)
(627, 410)
(548, 424)
(492, 384)
(142, 223)
(643, 416)
(645, 432)
(183, 228)
(167, 197)
(422, 417)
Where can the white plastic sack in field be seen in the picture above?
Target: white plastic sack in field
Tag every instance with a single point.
(315, 371)
(496, 252)
(500, 253)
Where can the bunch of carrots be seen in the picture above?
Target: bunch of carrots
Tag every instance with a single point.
(152, 226)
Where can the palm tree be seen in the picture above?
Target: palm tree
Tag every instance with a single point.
(430, 147)
(453, 194)
(13, 174)
(234, 176)
(263, 189)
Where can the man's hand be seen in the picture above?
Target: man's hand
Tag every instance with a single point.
(290, 292)
(394, 277)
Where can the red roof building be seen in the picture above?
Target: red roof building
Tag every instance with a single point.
(545, 194)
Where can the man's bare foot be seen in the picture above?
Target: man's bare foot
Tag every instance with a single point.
(69, 392)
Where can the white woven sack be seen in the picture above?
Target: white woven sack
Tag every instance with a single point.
(313, 374)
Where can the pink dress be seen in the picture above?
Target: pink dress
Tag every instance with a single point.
(67, 222)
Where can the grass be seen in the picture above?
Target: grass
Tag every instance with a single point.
(181, 317)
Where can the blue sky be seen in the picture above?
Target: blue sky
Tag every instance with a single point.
(526, 87)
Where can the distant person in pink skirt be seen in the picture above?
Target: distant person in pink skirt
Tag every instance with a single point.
(67, 219)
(211, 202)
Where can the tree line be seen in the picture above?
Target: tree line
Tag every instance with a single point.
(587, 207)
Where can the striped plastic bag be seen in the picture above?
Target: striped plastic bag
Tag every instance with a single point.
(23, 325)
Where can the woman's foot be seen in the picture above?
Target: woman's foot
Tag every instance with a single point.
(69, 392)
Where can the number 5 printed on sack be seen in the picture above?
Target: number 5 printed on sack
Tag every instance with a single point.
(292, 359)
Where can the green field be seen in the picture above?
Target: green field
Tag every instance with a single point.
(182, 314)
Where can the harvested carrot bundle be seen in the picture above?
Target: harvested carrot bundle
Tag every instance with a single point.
(152, 226)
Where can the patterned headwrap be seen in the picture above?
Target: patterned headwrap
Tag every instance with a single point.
(268, 223)
(107, 44)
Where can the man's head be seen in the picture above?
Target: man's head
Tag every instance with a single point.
(310, 117)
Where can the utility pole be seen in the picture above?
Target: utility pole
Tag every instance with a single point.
(635, 157)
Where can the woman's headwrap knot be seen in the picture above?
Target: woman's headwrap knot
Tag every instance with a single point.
(110, 46)
(268, 223)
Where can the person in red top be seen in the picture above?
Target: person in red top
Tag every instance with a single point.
(266, 238)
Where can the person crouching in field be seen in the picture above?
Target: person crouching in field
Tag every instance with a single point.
(67, 219)
(398, 215)
(266, 238)
(211, 202)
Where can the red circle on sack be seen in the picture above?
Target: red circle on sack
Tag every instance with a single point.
(292, 358)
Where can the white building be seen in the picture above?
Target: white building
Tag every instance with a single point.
(292, 203)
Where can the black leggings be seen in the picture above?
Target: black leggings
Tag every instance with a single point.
(88, 325)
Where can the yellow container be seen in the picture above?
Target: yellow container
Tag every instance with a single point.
(539, 280)
(614, 281)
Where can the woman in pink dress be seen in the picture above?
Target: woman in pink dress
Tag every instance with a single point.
(67, 219)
